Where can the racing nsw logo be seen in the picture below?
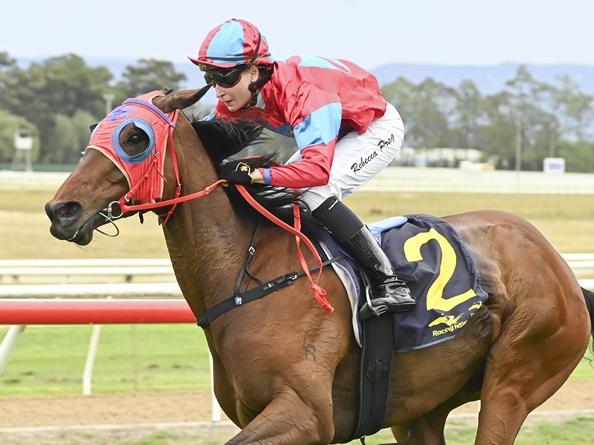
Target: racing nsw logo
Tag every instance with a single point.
(363, 161)
(448, 320)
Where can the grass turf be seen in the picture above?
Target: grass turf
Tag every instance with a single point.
(49, 360)
(564, 219)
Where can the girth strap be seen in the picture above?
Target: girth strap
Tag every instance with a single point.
(374, 374)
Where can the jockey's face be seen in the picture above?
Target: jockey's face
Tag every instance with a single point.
(239, 95)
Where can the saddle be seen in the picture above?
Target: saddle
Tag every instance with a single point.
(428, 254)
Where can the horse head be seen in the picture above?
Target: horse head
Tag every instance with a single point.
(128, 159)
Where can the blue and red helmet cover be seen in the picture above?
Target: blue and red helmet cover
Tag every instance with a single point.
(232, 43)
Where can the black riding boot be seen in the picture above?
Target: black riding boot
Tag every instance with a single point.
(388, 292)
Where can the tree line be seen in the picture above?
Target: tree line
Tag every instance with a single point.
(58, 98)
(515, 128)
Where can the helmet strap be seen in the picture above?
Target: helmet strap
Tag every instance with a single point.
(264, 75)
(253, 87)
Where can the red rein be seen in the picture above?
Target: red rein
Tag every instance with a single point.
(319, 293)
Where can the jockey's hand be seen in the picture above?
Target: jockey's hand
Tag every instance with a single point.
(239, 174)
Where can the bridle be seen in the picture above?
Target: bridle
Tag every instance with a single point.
(126, 204)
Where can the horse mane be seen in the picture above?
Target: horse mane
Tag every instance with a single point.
(224, 138)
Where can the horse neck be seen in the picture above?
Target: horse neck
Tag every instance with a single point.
(206, 240)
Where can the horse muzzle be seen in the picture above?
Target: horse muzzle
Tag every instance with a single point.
(66, 222)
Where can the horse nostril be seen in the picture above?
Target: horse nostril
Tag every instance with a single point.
(65, 210)
(62, 212)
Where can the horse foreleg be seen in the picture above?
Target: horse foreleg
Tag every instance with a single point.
(429, 429)
(290, 420)
(426, 430)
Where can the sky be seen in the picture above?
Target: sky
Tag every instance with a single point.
(371, 33)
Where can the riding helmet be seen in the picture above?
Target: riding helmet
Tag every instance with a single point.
(232, 43)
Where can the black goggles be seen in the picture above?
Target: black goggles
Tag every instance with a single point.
(224, 78)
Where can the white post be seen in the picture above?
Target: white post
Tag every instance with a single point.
(108, 102)
(215, 407)
(8, 344)
(23, 144)
(90, 362)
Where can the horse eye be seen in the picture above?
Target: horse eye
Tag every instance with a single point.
(135, 138)
(134, 142)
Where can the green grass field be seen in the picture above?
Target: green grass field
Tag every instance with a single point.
(49, 360)
(160, 358)
(566, 220)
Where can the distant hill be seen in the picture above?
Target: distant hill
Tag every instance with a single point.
(488, 78)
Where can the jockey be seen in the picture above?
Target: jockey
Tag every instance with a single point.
(344, 129)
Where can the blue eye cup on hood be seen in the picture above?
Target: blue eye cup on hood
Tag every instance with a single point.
(144, 126)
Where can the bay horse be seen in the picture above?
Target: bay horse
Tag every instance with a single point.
(286, 371)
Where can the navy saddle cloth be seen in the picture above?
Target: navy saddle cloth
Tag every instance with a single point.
(429, 255)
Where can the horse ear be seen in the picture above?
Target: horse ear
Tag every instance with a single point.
(179, 99)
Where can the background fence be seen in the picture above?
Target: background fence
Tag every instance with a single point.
(410, 179)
